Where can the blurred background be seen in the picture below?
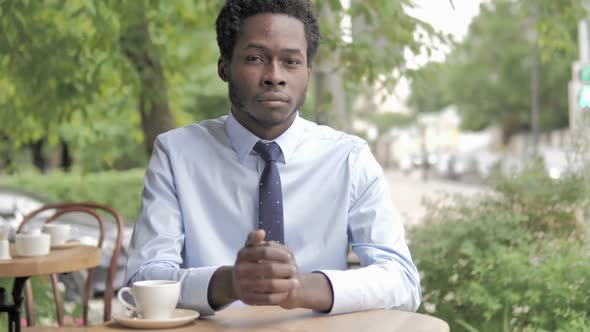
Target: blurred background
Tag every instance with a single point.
(476, 109)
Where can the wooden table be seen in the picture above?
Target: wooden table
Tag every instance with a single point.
(58, 261)
(275, 319)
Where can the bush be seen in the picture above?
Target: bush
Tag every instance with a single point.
(514, 260)
(550, 205)
(119, 189)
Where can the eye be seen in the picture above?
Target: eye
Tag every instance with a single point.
(293, 62)
(253, 58)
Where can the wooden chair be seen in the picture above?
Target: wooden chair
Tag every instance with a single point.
(90, 209)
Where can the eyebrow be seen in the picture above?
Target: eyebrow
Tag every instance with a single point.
(264, 48)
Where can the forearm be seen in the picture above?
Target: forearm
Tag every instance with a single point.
(316, 292)
(194, 283)
(221, 290)
(379, 286)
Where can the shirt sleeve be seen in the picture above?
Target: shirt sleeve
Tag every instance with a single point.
(156, 249)
(387, 279)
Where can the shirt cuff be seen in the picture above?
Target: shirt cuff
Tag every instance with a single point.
(345, 292)
(195, 286)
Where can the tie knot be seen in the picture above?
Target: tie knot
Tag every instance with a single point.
(268, 151)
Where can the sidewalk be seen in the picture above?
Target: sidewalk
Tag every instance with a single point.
(409, 191)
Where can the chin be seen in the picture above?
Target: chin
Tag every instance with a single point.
(272, 118)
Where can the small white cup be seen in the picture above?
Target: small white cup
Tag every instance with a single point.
(59, 233)
(33, 243)
(4, 250)
(154, 299)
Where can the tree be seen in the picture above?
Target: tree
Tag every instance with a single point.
(91, 71)
(374, 54)
(136, 44)
(106, 75)
(488, 75)
(428, 88)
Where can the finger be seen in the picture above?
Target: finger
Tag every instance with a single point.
(255, 238)
(269, 270)
(264, 299)
(268, 285)
(264, 253)
(277, 245)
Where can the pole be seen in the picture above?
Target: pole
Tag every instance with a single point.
(534, 84)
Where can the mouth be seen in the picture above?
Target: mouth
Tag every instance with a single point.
(273, 99)
(272, 103)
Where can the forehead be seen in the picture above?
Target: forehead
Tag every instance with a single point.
(272, 31)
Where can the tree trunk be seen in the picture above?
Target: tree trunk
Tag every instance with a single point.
(39, 160)
(154, 109)
(6, 155)
(330, 96)
(535, 128)
(66, 160)
(510, 126)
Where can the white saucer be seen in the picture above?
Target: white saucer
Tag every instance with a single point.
(179, 317)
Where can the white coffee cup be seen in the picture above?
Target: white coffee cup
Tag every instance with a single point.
(33, 243)
(59, 233)
(4, 248)
(154, 299)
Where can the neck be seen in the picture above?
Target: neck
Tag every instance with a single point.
(263, 130)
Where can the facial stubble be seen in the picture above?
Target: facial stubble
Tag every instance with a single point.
(238, 105)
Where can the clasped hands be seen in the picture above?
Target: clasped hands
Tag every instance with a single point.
(265, 273)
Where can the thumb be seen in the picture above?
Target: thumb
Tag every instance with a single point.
(255, 238)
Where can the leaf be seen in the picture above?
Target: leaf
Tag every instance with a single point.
(467, 326)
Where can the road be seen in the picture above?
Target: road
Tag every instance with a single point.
(409, 191)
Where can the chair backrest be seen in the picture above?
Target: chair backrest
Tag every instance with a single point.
(88, 208)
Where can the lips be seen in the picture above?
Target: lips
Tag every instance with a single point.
(273, 97)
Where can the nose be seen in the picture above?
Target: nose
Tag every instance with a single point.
(273, 75)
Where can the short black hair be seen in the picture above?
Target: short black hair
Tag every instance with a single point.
(234, 12)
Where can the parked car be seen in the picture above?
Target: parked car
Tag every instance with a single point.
(16, 203)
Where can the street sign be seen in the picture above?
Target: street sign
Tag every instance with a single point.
(584, 93)
(579, 86)
(584, 98)
(579, 92)
(581, 81)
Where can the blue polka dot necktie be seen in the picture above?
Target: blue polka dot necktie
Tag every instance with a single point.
(271, 196)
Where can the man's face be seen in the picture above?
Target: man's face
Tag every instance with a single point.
(268, 73)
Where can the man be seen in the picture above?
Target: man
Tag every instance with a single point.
(258, 206)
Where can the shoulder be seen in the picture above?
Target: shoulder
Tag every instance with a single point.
(204, 133)
(354, 150)
(332, 137)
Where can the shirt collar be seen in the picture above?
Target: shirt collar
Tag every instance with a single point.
(243, 140)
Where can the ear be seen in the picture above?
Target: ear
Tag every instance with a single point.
(223, 69)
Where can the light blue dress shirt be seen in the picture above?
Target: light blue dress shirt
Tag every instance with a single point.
(200, 200)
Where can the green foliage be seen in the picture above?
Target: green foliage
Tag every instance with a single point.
(382, 34)
(513, 260)
(488, 74)
(429, 88)
(63, 73)
(489, 77)
(121, 190)
(554, 24)
(549, 205)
